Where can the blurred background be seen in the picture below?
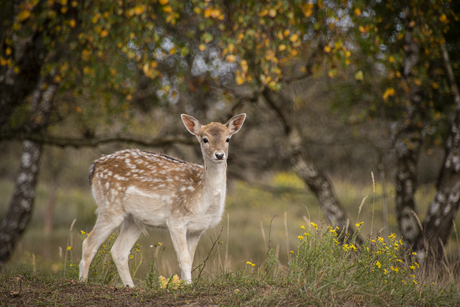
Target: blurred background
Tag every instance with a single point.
(352, 116)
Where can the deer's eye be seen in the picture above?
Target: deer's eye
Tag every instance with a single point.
(205, 140)
(227, 140)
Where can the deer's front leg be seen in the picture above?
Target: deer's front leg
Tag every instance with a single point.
(192, 242)
(179, 239)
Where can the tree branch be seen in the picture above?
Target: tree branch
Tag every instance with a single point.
(96, 140)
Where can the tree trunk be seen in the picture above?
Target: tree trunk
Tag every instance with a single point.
(20, 209)
(407, 148)
(439, 220)
(21, 205)
(407, 143)
(317, 182)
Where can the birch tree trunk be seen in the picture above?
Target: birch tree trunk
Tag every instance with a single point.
(407, 141)
(439, 220)
(304, 167)
(21, 204)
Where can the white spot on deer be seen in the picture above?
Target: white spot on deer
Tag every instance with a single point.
(107, 186)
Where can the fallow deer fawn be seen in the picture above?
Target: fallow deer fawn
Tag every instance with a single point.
(135, 189)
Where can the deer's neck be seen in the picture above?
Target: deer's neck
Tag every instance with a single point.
(215, 177)
(215, 182)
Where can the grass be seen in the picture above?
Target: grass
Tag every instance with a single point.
(259, 255)
(320, 272)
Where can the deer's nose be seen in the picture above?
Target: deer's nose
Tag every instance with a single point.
(220, 156)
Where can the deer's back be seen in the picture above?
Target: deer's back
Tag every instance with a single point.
(145, 183)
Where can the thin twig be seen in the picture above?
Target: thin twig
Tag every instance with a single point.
(269, 234)
(203, 265)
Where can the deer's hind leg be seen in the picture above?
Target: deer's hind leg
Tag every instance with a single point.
(110, 217)
(129, 234)
(105, 225)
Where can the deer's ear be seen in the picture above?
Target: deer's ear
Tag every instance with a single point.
(191, 123)
(235, 123)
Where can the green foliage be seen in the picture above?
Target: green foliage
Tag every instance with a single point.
(322, 272)
(324, 267)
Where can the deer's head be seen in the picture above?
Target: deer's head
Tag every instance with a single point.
(214, 137)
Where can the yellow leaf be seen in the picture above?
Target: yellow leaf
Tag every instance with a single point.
(359, 75)
(163, 2)
(215, 13)
(139, 9)
(230, 58)
(72, 23)
(207, 12)
(244, 65)
(294, 38)
(202, 47)
(167, 9)
(8, 51)
(85, 54)
(23, 15)
(104, 33)
(231, 47)
(57, 79)
(286, 32)
(239, 80)
(272, 13)
(388, 92)
(357, 11)
(443, 18)
(263, 13)
(282, 47)
(327, 49)
(146, 69)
